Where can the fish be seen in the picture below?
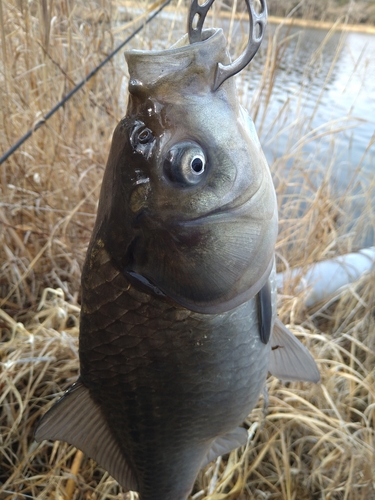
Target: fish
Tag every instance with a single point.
(178, 326)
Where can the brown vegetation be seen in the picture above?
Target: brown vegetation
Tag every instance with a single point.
(354, 12)
(316, 442)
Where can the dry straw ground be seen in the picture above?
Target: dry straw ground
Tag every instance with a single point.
(317, 441)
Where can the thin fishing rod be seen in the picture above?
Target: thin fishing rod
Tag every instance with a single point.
(80, 85)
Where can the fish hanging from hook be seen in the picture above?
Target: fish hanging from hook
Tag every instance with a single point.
(179, 325)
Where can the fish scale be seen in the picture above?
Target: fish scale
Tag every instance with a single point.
(173, 390)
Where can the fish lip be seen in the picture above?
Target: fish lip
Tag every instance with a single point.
(212, 35)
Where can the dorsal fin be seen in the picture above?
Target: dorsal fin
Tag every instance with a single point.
(225, 444)
(77, 420)
(290, 360)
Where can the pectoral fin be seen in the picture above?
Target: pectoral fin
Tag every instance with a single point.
(265, 312)
(290, 360)
(225, 444)
(77, 419)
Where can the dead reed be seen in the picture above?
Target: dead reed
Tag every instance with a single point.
(316, 442)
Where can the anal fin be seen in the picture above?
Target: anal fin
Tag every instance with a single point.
(77, 420)
(290, 360)
(225, 444)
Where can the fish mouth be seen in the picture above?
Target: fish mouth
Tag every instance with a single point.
(238, 207)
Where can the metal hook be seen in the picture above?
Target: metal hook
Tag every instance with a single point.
(195, 34)
(257, 23)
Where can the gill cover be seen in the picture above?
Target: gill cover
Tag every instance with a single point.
(187, 207)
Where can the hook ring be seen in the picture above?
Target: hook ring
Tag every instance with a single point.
(195, 34)
(258, 23)
(257, 26)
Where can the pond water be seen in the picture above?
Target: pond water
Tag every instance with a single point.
(337, 90)
(323, 99)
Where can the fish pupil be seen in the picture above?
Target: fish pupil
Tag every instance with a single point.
(197, 165)
(144, 136)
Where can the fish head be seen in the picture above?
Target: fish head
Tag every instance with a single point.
(187, 205)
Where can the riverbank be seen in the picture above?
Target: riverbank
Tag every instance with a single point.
(324, 25)
(338, 25)
(303, 23)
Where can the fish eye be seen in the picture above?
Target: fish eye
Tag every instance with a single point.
(185, 164)
(142, 139)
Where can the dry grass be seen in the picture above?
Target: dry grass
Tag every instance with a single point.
(316, 442)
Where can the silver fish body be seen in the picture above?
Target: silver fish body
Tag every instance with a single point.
(173, 383)
(178, 288)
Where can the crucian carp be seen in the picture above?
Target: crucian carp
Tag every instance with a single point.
(178, 322)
